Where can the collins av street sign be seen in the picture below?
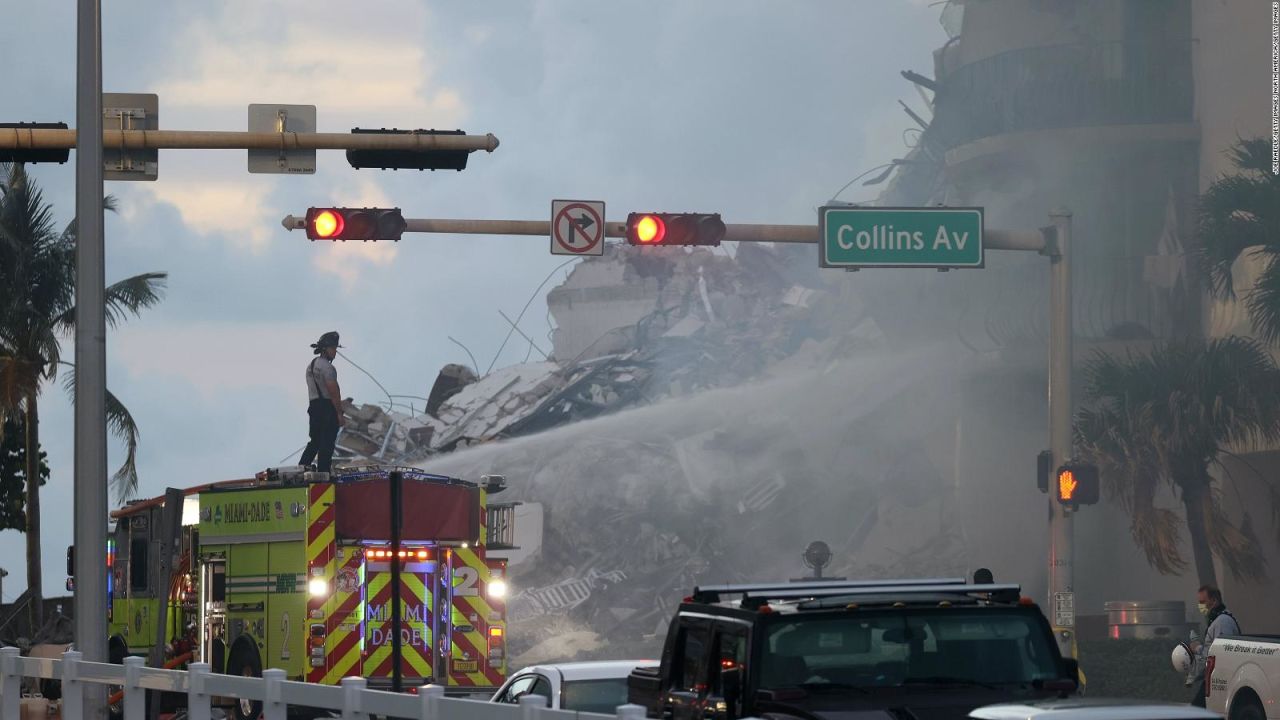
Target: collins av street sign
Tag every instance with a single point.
(871, 237)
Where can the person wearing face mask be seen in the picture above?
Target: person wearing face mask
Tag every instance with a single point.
(325, 408)
(1219, 622)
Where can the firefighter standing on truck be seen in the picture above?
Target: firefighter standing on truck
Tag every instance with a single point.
(325, 408)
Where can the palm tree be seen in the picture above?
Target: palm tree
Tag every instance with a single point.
(1240, 213)
(37, 293)
(1166, 417)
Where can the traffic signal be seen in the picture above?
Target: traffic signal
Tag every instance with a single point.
(408, 159)
(35, 155)
(674, 229)
(1077, 484)
(1044, 468)
(354, 223)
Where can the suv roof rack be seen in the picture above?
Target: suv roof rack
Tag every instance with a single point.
(812, 588)
(1006, 593)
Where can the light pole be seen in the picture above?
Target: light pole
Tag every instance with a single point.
(90, 480)
(3, 574)
(1061, 530)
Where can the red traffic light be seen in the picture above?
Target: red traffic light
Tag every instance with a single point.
(354, 223)
(326, 224)
(648, 229)
(674, 229)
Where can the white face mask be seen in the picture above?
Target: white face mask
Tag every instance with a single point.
(1204, 609)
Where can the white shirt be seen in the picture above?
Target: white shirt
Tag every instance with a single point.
(319, 373)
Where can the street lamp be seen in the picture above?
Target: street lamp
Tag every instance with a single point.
(817, 556)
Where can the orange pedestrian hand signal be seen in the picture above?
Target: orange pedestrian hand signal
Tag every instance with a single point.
(1067, 485)
(1078, 484)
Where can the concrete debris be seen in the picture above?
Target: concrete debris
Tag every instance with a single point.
(634, 328)
(451, 380)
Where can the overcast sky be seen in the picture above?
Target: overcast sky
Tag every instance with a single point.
(758, 110)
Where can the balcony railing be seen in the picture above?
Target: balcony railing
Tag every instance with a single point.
(1060, 86)
(1111, 301)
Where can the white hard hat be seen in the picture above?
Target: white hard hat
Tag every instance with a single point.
(1182, 658)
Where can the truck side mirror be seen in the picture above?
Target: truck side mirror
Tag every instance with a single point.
(71, 561)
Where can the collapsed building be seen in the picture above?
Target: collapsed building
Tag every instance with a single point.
(692, 398)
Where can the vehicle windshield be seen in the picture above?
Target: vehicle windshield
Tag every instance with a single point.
(945, 647)
(595, 696)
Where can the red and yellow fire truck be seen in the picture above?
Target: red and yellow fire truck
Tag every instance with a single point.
(292, 570)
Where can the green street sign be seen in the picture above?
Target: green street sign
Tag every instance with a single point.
(880, 237)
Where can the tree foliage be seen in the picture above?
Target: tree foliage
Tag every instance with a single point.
(13, 475)
(1166, 417)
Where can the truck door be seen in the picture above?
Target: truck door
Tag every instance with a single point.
(417, 574)
(728, 670)
(685, 696)
(213, 611)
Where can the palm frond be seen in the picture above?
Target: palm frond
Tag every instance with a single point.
(1237, 545)
(1162, 418)
(121, 424)
(1263, 302)
(1237, 212)
(124, 298)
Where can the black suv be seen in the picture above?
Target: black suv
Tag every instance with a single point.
(905, 649)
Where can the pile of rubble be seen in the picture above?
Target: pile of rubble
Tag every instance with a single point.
(634, 326)
(669, 442)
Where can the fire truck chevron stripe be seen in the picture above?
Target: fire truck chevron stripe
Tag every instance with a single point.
(320, 530)
(347, 666)
(342, 653)
(320, 554)
(474, 679)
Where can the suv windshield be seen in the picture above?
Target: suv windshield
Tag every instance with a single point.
(946, 646)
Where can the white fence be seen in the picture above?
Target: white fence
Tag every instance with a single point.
(352, 699)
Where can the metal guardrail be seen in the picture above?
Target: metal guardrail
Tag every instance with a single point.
(352, 699)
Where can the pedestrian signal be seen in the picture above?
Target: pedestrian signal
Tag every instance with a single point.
(1077, 484)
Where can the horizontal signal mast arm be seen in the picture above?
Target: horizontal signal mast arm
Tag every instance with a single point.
(994, 239)
(56, 139)
(742, 233)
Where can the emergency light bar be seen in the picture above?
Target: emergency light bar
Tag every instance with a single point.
(712, 593)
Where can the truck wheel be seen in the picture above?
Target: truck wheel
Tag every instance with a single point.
(1248, 708)
(245, 661)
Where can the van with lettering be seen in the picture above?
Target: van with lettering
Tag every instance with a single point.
(1242, 677)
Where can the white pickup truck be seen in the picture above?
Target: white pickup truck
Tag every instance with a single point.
(1242, 677)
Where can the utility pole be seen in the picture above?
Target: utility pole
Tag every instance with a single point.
(1061, 530)
(90, 478)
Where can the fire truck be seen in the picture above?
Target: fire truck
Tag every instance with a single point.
(291, 569)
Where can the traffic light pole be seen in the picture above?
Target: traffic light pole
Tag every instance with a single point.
(90, 427)
(1061, 525)
(50, 139)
